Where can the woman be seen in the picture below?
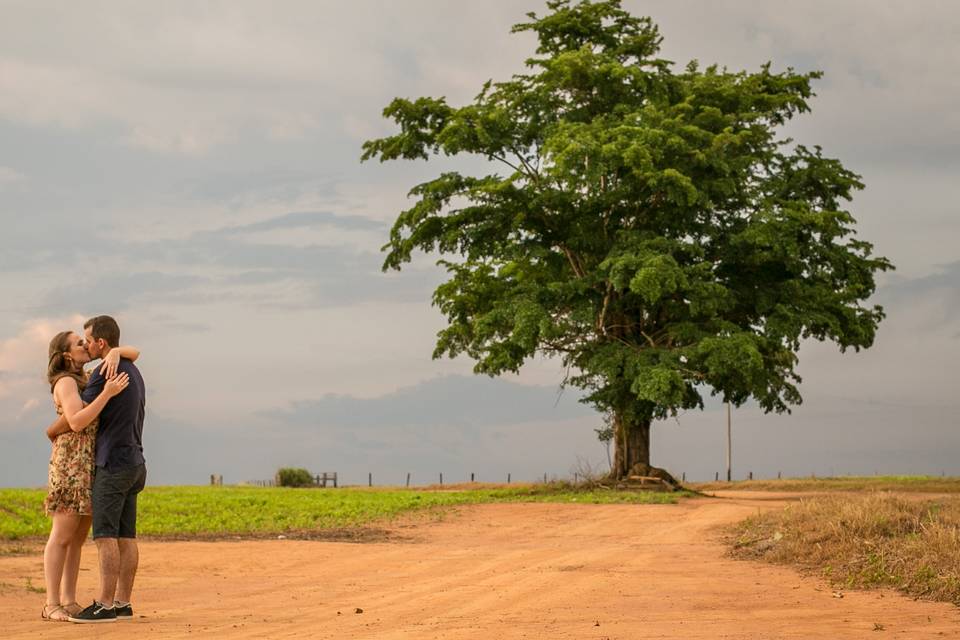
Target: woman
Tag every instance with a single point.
(70, 477)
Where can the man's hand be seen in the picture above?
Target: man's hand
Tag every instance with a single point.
(57, 428)
(110, 363)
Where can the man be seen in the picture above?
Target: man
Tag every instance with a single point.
(119, 476)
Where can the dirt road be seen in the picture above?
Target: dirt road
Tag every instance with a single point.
(492, 571)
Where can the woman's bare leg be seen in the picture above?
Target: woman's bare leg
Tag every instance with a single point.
(71, 568)
(62, 533)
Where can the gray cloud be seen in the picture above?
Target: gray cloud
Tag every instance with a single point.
(225, 264)
(936, 296)
(946, 280)
(270, 185)
(119, 292)
(172, 181)
(455, 402)
(308, 219)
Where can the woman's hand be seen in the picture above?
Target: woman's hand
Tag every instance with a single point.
(116, 384)
(110, 363)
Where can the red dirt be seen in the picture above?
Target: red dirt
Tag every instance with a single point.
(488, 571)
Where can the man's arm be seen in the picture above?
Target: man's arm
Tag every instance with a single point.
(58, 427)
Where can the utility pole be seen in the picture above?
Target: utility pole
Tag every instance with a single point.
(728, 442)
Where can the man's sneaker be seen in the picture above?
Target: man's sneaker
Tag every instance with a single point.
(123, 611)
(95, 613)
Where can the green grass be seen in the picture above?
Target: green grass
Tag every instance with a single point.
(922, 484)
(21, 513)
(223, 511)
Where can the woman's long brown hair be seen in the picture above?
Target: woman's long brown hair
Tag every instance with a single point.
(60, 364)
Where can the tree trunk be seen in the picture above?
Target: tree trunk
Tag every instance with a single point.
(631, 445)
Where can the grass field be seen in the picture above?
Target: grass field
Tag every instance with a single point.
(224, 511)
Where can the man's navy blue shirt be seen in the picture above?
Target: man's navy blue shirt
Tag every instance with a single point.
(120, 433)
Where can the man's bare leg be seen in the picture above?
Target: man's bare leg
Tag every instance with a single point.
(109, 552)
(129, 561)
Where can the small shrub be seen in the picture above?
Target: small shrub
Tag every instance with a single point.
(290, 477)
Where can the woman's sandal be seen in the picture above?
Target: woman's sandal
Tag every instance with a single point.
(55, 613)
(72, 608)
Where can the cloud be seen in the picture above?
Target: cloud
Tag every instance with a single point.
(24, 393)
(197, 166)
(932, 301)
(449, 402)
(118, 292)
(308, 219)
(186, 79)
(28, 405)
(10, 177)
(171, 324)
(876, 59)
(299, 260)
(946, 279)
(26, 351)
(256, 185)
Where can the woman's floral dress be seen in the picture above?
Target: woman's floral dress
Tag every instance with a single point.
(70, 475)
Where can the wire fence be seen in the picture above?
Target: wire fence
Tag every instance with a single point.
(333, 479)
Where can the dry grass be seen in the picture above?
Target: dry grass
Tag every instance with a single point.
(864, 541)
(925, 484)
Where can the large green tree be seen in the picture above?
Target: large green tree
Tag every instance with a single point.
(650, 225)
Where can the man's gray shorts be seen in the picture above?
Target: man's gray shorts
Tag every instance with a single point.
(115, 501)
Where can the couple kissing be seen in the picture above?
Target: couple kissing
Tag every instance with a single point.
(96, 471)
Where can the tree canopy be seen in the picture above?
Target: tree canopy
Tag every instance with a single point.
(648, 224)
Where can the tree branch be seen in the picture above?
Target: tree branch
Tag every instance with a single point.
(533, 173)
(574, 263)
(506, 162)
(601, 323)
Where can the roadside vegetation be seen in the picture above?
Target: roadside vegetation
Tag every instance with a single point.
(870, 539)
(203, 512)
(922, 484)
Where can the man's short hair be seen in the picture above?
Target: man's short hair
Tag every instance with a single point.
(104, 327)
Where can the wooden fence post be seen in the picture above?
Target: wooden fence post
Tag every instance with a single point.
(408, 478)
(370, 479)
(508, 478)
(441, 478)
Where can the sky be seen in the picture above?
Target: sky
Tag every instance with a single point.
(193, 169)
